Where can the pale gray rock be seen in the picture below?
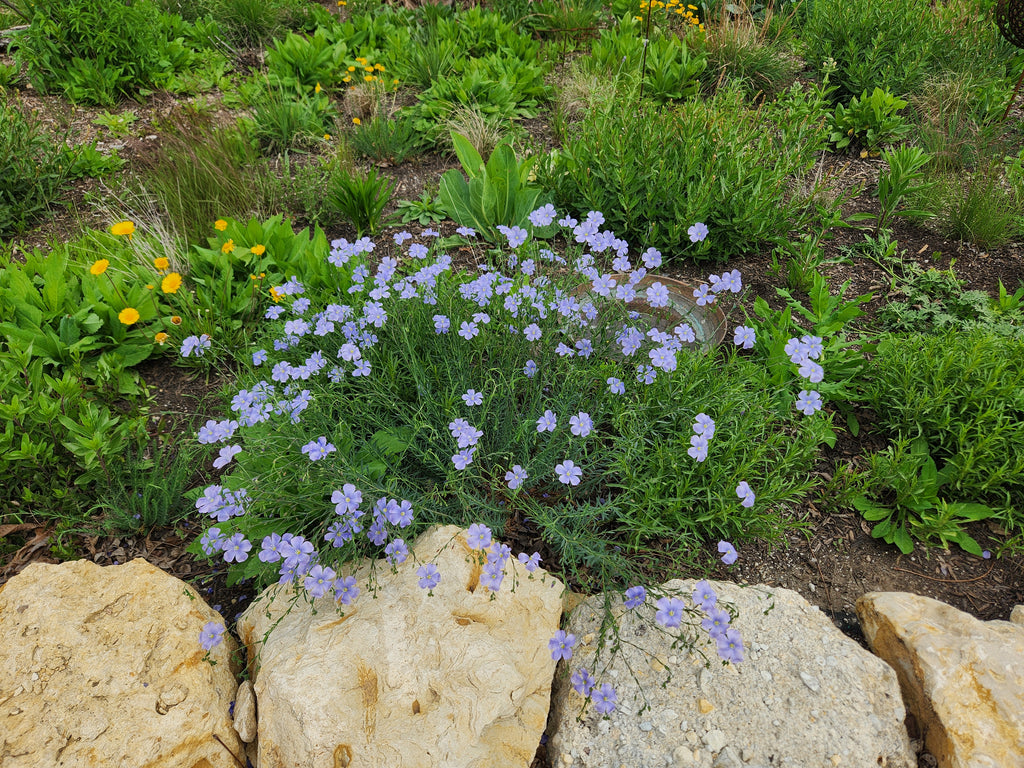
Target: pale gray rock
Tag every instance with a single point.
(401, 678)
(103, 667)
(805, 695)
(962, 678)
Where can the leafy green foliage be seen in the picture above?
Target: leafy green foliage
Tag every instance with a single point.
(299, 62)
(426, 210)
(33, 167)
(670, 69)
(360, 199)
(963, 394)
(912, 480)
(977, 206)
(871, 120)
(936, 301)
(653, 173)
(902, 181)
(87, 161)
(497, 193)
(284, 120)
(98, 50)
(896, 44)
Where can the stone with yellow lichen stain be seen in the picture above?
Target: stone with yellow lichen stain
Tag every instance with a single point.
(408, 680)
(101, 666)
(962, 678)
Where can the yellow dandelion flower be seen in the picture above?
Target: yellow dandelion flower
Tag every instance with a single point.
(123, 228)
(351, 69)
(171, 283)
(274, 294)
(99, 267)
(220, 225)
(379, 67)
(317, 89)
(162, 263)
(228, 247)
(327, 137)
(357, 121)
(368, 69)
(258, 250)
(128, 316)
(176, 319)
(369, 78)
(161, 338)
(346, 79)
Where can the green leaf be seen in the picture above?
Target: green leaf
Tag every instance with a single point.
(471, 161)
(902, 540)
(967, 544)
(870, 510)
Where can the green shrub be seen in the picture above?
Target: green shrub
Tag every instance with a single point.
(977, 206)
(391, 139)
(96, 51)
(872, 120)
(963, 394)
(653, 173)
(284, 119)
(896, 45)
(360, 199)
(33, 169)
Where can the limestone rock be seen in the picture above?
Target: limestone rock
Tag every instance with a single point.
(805, 694)
(962, 678)
(402, 678)
(1017, 614)
(245, 712)
(103, 667)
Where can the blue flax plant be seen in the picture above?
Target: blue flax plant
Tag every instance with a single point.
(410, 394)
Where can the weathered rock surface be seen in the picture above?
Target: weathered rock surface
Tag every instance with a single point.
(962, 678)
(805, 695)
(460, 678)
(103, 667)
(245, 712)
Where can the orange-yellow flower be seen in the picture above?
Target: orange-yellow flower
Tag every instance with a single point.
(128, 315)
(99, 267)
(161, 337)
(258, 250)
(171, 283)
(274, 294)
(176, 319)
(161, 263)
(123, 228)
(317, 89)
(220, 225)
(357, 121)
(228, 247)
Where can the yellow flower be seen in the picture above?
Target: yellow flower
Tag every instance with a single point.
(258, 250)
(176, 319)
(379, 67)
(220, 225)
(123, 228)
(171, 283)
(228, 247)
(351, 69)
(369, 78)
(149, 286)
(368, 69)
(162, 263)
(346, 79)
(327, 137)
(161, 337)
(317, 89)
(99, 267)
(342, 2)
(274, 294)
(128, 315)
(357, 121)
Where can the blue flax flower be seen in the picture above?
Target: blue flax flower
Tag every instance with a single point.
(582, 682)
(670, 612)
(635, 596)
(604, 699)
(561, 645)
(728, 552)
(429, 576)
(211, 635)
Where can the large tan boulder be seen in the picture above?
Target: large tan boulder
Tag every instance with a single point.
(403, 679)
(962, 678)
(102, 667)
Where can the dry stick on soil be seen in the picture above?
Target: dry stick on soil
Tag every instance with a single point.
(948, 581)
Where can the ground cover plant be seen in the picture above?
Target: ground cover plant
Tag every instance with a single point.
(867, 379)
